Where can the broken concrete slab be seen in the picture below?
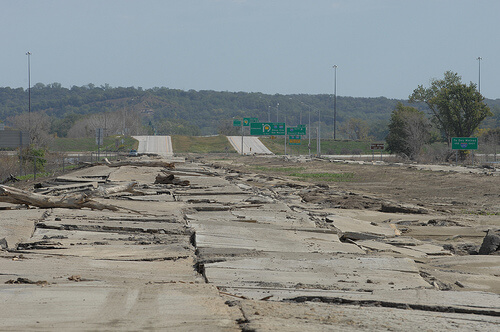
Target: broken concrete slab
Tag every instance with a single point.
(108, 245)
(319, 316)
(356, 229)
(83, 306)
(430, 249)
(384, 247)
(18, 225)
(442, 233)
(491, 243)
(364, 274)
(271, 251)
(265, 237)
(475, 272)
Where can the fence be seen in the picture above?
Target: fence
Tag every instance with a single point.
(52, 164)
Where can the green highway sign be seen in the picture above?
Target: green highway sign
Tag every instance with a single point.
(464, 143)
(294, 140)
(248, 121)
(267, 128)
(236, 123)
(299, 130)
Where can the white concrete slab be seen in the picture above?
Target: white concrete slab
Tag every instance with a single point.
(83, 306)
(160, 145)
(354, 274)
(360, 229)
(251, 145)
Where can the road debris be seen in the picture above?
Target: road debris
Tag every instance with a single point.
(227, 248)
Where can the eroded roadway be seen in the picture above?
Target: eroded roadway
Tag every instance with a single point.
(226, 253)
(160, 145)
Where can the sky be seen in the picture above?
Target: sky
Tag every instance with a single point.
(382, 48)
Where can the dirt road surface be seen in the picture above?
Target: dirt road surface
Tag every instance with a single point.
(258, 244)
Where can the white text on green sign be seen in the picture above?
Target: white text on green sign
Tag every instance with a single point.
(267, 128)
(464, 143)
(299, 130)
(248, 121)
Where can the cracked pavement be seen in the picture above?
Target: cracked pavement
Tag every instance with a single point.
(236, 251)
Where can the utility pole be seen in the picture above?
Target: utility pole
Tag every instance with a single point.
(29, 94)
(309, 130)
(334, 102)
(318, 149)
(479, 81)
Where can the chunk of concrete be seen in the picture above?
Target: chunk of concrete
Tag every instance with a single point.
(491, 243)
(356, 229)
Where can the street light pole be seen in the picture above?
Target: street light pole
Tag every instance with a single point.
(309, 131)
(334, 102)
(479, 81)
(277, 110)
(29, 94)
(319, 132)
(268, 113)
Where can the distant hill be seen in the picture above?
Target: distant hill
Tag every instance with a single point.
(173, 111)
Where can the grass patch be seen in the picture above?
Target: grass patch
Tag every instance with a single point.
(278, 169)
(328, 146)
(328, 177)
(297, 172)
(482, 213)
(31, 176)
(196, 144)
(111, 143)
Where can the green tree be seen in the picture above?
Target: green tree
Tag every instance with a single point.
(33, 157)
(409, 131)
(356, 129)
(226, 128)
(457, 109)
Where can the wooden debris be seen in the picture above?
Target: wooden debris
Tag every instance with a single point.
(140, 163)
(391, 207)
(70, 201)
(66, 188)
(10, 178)
(106, 191)
(170, 179)
(27, 281)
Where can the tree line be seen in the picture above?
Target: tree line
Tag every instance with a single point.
(78, 111)
(172, 111)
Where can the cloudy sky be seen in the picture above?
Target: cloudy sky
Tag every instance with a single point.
(381, 47)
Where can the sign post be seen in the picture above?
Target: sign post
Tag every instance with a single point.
(464, 143)
(99, 139)
(299, 130)
(237, 123)
(267, 128)
(248, 121)
(377, 146)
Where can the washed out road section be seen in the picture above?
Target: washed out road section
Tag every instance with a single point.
(251, 145)
(160, 145)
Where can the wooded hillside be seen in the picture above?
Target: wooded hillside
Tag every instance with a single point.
(173, 111)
